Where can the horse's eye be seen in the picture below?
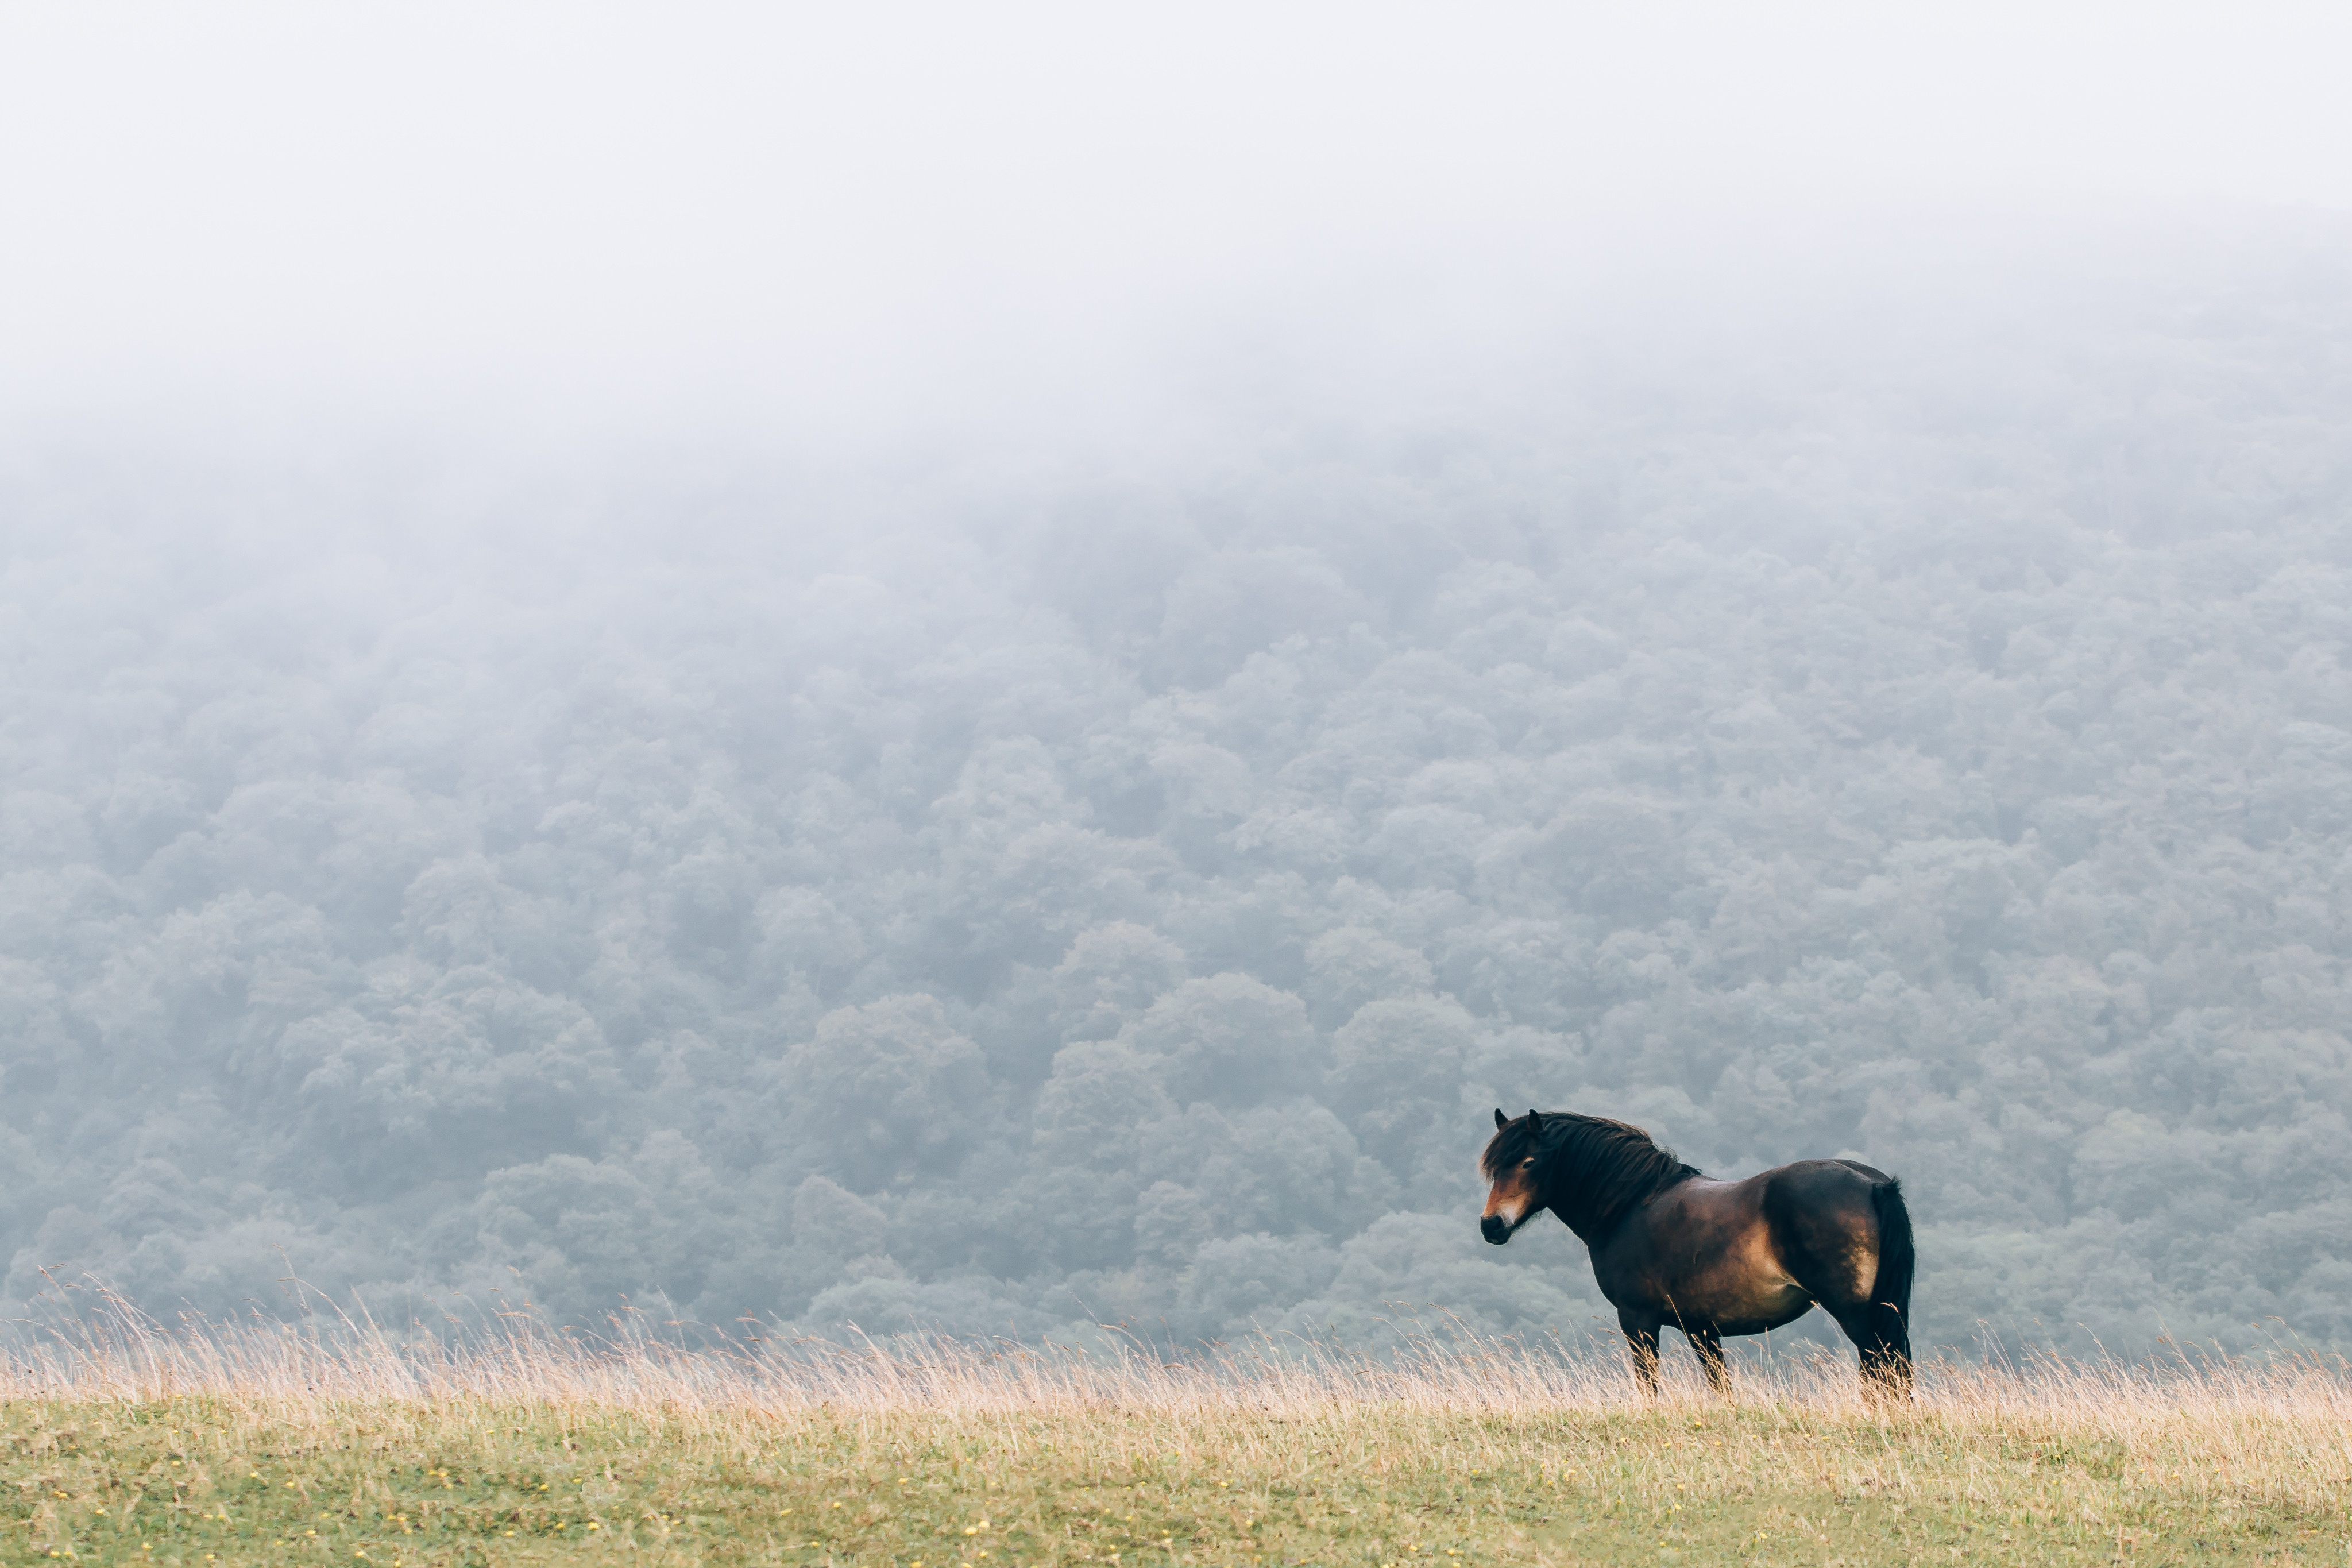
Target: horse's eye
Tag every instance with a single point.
(1526, 1163)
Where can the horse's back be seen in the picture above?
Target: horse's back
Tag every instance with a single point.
(1825, 1180)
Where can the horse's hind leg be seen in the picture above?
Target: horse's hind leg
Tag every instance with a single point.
(1886, 1367)
(1707, 1345)
(1642, 1335)
(1845, 1239)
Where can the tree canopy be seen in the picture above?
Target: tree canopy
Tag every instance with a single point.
(1012, 902)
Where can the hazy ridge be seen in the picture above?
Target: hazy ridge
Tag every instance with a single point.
(1007, 897)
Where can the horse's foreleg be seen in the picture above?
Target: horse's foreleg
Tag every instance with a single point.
(1642, 1333)
(1644, 1342)
(1709, 1346)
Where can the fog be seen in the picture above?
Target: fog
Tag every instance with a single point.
(1001, 674)
(636, 217)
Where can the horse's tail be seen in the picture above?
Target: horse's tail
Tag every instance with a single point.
(1887, 1355)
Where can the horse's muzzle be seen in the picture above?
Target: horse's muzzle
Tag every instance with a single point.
(1493, 1228)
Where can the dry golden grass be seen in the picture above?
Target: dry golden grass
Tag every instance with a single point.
(268, 1443)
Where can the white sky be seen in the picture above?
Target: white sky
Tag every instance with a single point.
(601, 208)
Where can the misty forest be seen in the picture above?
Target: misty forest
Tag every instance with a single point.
(944, 890)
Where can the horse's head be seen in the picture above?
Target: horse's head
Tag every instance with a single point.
(1509, 1163)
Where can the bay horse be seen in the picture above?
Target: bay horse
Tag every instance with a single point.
(1671, 1246)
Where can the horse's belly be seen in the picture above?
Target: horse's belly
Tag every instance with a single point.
(1763, 1317)
(1749, 1306)
(1742, 1289)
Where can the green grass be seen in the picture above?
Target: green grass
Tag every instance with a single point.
(234, 1478)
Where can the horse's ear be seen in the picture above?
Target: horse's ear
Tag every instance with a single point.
(1501, 1119)
(1535, 1116)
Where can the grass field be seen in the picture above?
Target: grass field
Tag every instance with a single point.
(266, 1448)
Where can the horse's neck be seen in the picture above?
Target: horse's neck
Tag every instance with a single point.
(1591, 1223)
(1586, 1218)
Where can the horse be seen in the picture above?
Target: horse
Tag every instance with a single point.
(1670, 1245)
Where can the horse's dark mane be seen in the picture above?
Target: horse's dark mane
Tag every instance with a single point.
(1592, 1171)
